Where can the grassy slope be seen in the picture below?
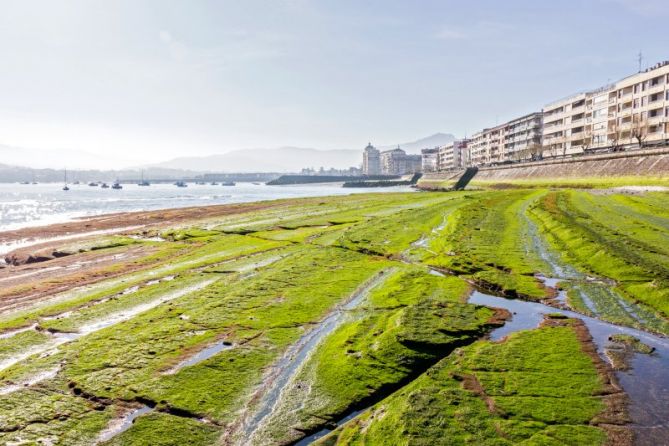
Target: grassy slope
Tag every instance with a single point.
(575, 183)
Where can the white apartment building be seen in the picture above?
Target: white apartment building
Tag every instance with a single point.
(522, 138)
(617, 115)
(454, 155)
(564, 125)
(638, 105)
(597, 104)
(430, 159)
(397, 162)
(632, 111)
(477, 149)
(487, 146)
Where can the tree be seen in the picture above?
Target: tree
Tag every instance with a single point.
(614, 136)
(553, 146)
(587, 139)
(536, 151)
(639, 129)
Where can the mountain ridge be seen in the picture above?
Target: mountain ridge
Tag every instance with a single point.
(289, 158)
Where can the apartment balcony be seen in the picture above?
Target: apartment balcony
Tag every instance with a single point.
(553, 117)
(658, 98)
(625, 96)
(657, 119)
(578, 121)
(657, 88)
(578, 109)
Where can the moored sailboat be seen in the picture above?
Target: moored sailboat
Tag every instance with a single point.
(65, 188)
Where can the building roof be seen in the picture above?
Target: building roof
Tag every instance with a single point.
(397, 150)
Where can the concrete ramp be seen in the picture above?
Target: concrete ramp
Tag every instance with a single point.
(466, 177)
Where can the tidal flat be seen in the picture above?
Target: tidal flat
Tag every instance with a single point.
(476, 317)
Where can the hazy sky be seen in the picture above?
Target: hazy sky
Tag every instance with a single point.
(149, 80)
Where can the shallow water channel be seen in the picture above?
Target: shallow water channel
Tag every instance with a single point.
(647, 381)
(289, 365)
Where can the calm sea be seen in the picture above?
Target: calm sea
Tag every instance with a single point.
(24, 205)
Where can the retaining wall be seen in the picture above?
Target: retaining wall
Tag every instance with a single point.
(643, 163)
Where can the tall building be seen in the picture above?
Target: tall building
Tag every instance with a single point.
(631, 112)
(564, 125)
(634, 109)
(397, 162)
(638, 108)
(430, 159)
(371, 161)
(478, 149)
(454, 155)
(487, 146)
(596, 126)
(522, 138)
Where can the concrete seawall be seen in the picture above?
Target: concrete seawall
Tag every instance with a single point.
(649, 163)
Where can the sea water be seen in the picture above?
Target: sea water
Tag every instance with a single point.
(23, 205)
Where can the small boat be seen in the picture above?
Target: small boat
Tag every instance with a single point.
(76, 182)
(228, 183)
(257, 184)
(143, 182)
(200, 183)
(93, 184)
(105, 186)
(180, 184)
(24, 182)
(65, 188)
(116, 185)
(213, 183)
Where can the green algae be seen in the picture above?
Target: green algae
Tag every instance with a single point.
(537, 387)
(279, 273)
(630, 341)
(484, 240)
(149, 430)
(402, 328)
(631, 258)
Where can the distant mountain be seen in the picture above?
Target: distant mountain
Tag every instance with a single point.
(56, 158)
(282, 159)
(438, 139)
(290, 159)
(13, 174)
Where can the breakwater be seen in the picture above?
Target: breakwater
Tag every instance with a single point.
(314, 179)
